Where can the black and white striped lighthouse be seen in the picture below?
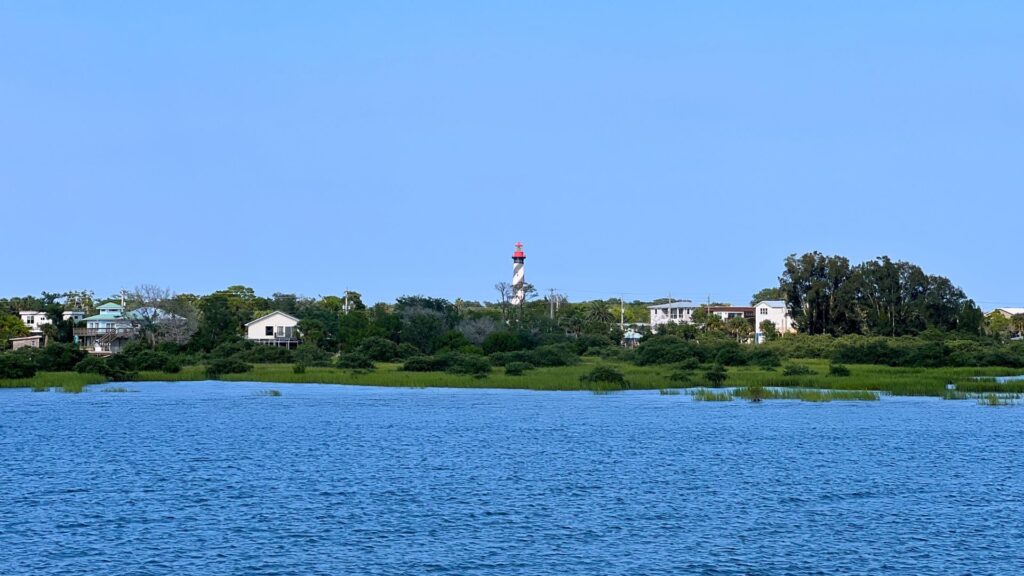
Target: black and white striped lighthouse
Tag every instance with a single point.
(518, 275)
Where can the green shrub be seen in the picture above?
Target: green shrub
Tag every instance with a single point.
(665, 350)
(501, 341)
(16, 365)
(221, 366)
(471, 364)
(797, 370)
(517, 368)
(425, 364)
(406, 350)
(553, 355)
(716, 375)
(298, 368)
(91, 365)
(379, 349)
(310, 355)
(839, 370)
(354, 361)
(603, 377)
(765, 358)
(59, 357)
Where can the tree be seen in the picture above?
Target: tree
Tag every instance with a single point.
(10, 327)
(706, 320)
(818, 294)
(997, 325)
(739, 328)
(770, 293)
(769, 331)
(1017, 324)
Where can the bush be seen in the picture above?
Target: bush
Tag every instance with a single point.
(379, 349)
(502, 341)
(665, 350)
(517, 368)
(797, 370)
(503, 358)
(58, 357)
(689, 364)
(839, 370)
(298, 368)
(355, 361)
(553, 355)
(16, 365)
(221, 366)
(256, 353)
(311, 355)
(406, 350)
(91, 365)
(605, 378)
(765, 358)
(425, 364)
(468, 364)
(149, 360)
(587, 341)
(716, 375)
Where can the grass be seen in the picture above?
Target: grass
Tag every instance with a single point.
(115, 389)
(993, 399)
(757, 393)
(706, 395)
(271, 392)
(669, 392)
(45, 380)
(881, 379)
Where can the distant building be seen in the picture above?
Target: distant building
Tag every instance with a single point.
(1007, 312)
(74, 316)
(727, 312)
(774, 311)
(108, 331)
(676, 312)
(34, 341)
(274, 329)
(33, 320)
(631, 339)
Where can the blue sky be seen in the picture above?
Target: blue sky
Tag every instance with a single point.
(636, 148)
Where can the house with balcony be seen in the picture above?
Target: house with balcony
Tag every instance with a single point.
(34, 320)
(675, 312)
(107, 332)
(773, 311)
(274, 329)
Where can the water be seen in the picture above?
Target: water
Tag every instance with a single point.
(211, 478)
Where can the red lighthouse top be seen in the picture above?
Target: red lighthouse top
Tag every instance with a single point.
(519, 251)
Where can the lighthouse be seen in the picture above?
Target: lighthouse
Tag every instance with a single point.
(518, 275)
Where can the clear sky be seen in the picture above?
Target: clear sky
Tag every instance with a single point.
(636, 148)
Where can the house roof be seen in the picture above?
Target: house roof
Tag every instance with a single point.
(632, 335)
(265, 316)
(731, 308)
(29, 312)
(675, 304)
(771, 304)
(109, 305)
(1011, 311)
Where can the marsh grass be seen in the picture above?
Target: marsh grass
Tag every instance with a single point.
(46, 380)
(882, 379)
(118, 389)
(271, 392)
(993, 399)
(669, 392)
(759, 393)
(707, 395)
(72, 387)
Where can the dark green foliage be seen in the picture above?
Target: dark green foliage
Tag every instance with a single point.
(591, 341)
(716, 375)
(839, 370)
(151, 360)
(725, 352)
(355, 361)
(471, 364)
(425, 364)
(502, 341)
(765, 358)
(57, 357)
(221, 366)
(605, 378)
(517, 368)
(666, 350)
(311, 355)
(91, 365)
(406, 351)
(298, 368)
(379, 349)
(16, 365)
(256, 353)
(553, 355)
(797, 370)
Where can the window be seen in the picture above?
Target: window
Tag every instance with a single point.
(764, 311)
(269, 331)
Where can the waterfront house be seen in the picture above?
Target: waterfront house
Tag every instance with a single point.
(1007, 312)
(631, 339)
(728, 312)
(774, 311)
(33, 341)
(108, 331)
(675, 312)
(34, 320)
(274, 329)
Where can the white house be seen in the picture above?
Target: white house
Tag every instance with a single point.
(75, 316)
(677, 312)
(774, 311)
(274, 329)
(107, 332)
(33, 320)
(1008, 312)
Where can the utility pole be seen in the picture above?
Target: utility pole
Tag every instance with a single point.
(622, 314)
(346, 301)
(551, 303)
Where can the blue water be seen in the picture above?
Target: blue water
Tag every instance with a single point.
(210, 478)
